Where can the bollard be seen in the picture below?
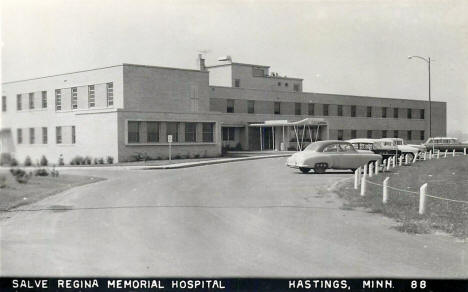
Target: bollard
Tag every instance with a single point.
(406, 159)
(359, 175)
(422, 199)
(393, 161)
(425, 154)
(464, 151)
(430, 154)
(446, 150)
(377, 166)
(384, 165)
(365, 169)
(363, 185)
(356, 179)
(415, 158)
(388, 163)
(371, 169)
(400, 160)
(385, 190)
(438, 154)
(453, 153)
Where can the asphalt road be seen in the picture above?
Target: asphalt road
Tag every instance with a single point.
(251, 218)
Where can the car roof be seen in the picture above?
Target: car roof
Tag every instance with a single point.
(361, 140)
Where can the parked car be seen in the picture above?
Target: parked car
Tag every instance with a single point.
(331, 154)
(403, 149)
(384, 148)
(444, 143)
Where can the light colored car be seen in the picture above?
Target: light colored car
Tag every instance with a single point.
(384, 148)
(445, 143)
(403, 149)
(331, 154)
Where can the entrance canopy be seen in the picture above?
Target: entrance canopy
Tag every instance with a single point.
(286, 123)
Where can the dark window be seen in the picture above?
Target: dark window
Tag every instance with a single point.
(340, 134)
(152, 132)
(369, 112)
(236, 82)
(258, 72)
(190, 132)
(421, 114)
(19, 136)
(4, 105)
(133, 132)
(286, 84)
(44, 99)
(251, 106)
(73, 135)
(297, 108)
(325, 109)
(409, 135)
(58, 135)
(277, 108)
(172, 128)
(74, 98)
(353, 134)
(31, 100)
(384, 112)
(207, 131)
(369, 134)
(421, 135)
(340, 110)
(311, 109)
(58, 99)
(279, 83)
(395, 113)
(353, 110)
(395, 134)
(18, 102)
(228, 134)
(384, 134)
(110, 94)
(44, 135)
(32, 136)
(410, 114)
(91, 96)
(296, 87)
(230, 106)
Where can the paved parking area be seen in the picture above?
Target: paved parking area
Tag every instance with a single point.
(249, 218)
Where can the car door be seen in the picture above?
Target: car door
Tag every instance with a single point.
(331, 155)
(348, 157)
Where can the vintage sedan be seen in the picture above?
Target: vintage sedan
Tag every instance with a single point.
(445, 143)
(330, 154)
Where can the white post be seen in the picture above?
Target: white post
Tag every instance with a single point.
(371, 169)
(453, 153)
(446, 150)
(415, 158)
(393, 161)
(356, 179)
(385, 190)
(363, 185)
(425, 154)
(430, 154)
(422, 198)
(365, 168)
(438, 154)
(388, 163)
(464, 151)
(377, 165)
(400, 160)
(359, 175)
(406, 159)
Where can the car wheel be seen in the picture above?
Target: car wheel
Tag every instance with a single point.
(320, 167)
(304, 169)
(410, 156)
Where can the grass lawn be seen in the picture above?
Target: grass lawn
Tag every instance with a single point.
(446, 177)
(38, 187)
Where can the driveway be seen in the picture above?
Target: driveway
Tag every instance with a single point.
(250, 218)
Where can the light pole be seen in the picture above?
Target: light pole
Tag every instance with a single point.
(428, 61)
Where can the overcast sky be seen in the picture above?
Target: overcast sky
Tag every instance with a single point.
(346, 47)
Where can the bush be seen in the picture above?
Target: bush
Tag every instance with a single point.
(60, 161)
(20, 175)
(13, 162)
(44, 161)
(197, 155)
(141, 156)
(41, 172)
(2, 181)
(96, 160)
(77, 160)
(27, 161)
(238, 147)
(54, 172)
(87, 160)
(177, 156)
(101, 160)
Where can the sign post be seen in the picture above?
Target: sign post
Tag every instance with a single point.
(169, 139)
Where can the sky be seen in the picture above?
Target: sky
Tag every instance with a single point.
(344, 47)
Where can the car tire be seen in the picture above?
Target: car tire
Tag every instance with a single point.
(320, 167)
(304, 169)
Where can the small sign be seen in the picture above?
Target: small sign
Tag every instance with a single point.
(169, 138)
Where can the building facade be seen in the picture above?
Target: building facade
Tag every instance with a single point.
(128, 110)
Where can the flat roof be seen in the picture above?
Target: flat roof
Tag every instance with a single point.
(235, 63)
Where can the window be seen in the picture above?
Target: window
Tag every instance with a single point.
(353, 110)
(152, 132)
(190, 132)
(58, 99)
(353, 134)
(236, 82)
(110, 94)
(369, 112)
(74, 98)
(44, 135)
(279, 83)
(286, 84)
(384, 112)
(409, 135)
(258, 72)
(44, 99)
(296, 87)
(230, 106)
(4, 105)
(172, 128)
(409, 114)
(32, 137)
(340, 134)
(19, 136)
(31, 100)
(340, 110)
(345, 148)
(369, 134)
(421, 114)
(18, 102)
(91, 96)
(228, 134)
(395, 113)
(421, 135)
(58, 135)
(297, 108)
(325, 109)
(395, 134)
(311, 109)
(251, 106)
(384, 134)
(133, 132)
(277, 108)
(207, 132)
(331, 148)
(73, 134)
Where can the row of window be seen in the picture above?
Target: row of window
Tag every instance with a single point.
(409, 134)
(58, 98)
(44, 135)
(311, 110)
(149, 132)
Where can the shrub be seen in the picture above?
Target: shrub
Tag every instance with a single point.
(27, 161)
(44, 161)
(177, 156)
(110, 159)
(96, 160)
(5, 158)
(87, 160)
(141, 156)
(54, 172)
(60, 161)
(197, 155)
(2, 181)
(238, 147)
(77, 160)
(13, 162)
(41, 172)
(20, 175)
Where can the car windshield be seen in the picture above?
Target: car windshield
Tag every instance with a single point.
(312, 147)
